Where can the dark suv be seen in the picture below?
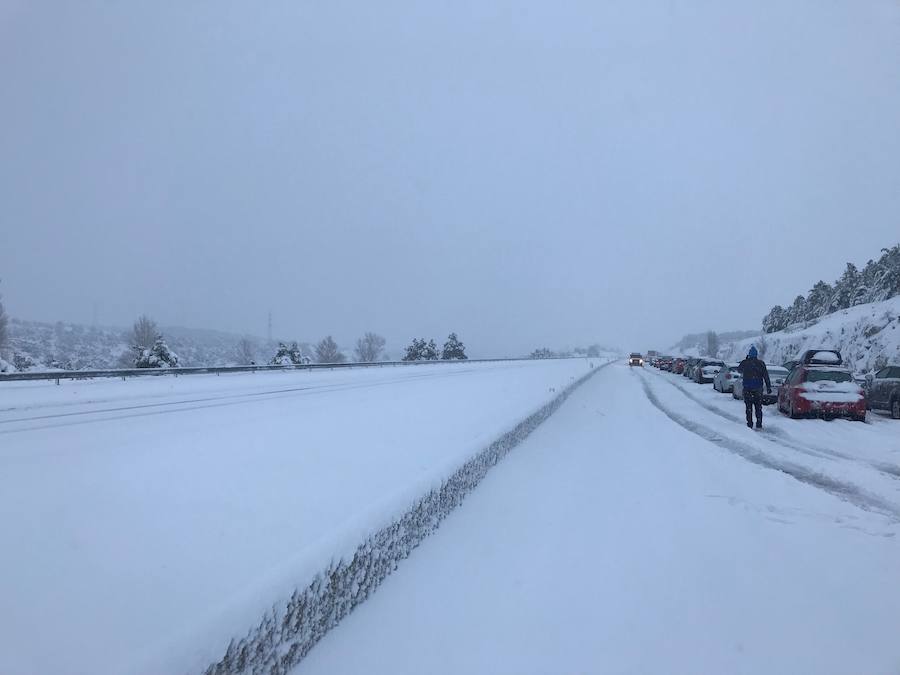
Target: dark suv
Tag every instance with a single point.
(884, 392)
(636, 360)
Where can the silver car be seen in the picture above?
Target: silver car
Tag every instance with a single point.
(725, 378)
(777, 375)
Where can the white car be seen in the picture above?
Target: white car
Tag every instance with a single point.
(726, 378)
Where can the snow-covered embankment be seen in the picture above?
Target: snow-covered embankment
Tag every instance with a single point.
(867, 335)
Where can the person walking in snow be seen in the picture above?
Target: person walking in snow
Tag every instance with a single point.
(754, 374)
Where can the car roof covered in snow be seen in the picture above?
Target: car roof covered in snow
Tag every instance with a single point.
(824, 367)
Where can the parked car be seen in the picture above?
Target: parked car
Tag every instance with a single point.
(636, 359)
(678, 366)
(777, 376)
(884, 391)
(822, 391)
(724, 380)
(705, 370)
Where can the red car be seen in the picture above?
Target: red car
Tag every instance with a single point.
(678, 366)
(814, 390)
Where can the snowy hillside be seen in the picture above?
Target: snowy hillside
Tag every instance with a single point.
(34, 345)
(867, 335)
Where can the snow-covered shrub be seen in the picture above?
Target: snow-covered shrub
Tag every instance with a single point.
(157, 356)
(22, 362)
(289, 356)
(542, 353)
(454, 349)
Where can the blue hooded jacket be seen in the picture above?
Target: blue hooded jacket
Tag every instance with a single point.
(754, 372)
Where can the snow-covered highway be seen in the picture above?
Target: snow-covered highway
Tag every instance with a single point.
(614, 540)
(641, 529)
(146, 523)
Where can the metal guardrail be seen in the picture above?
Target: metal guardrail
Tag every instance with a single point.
(219, 370)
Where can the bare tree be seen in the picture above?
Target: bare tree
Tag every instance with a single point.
(144, 333)
(245, 352)
(712, 344)
(369, 348)
(327, 351)
(4, 326)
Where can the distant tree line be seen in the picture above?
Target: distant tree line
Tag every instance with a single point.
(879, 280)
(546, 353)
(147, 348)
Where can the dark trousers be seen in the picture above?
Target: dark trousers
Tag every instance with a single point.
(753, 399)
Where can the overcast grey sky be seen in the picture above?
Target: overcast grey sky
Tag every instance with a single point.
(536, 173)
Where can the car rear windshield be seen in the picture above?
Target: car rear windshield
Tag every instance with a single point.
(828, 375)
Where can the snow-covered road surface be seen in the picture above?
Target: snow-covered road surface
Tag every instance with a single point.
(146, 523)
(615, 540)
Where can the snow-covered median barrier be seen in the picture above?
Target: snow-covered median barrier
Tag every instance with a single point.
(148, 523)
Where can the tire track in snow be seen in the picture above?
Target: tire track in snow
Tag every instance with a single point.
(846, 491)
(779, 437)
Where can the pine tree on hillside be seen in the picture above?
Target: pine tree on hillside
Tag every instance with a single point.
(878, 280)
(454, 349)
(797, 312)
(775, 320)
(844, 289)
(817, 300)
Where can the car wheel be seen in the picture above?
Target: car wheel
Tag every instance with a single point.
(895, 408)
